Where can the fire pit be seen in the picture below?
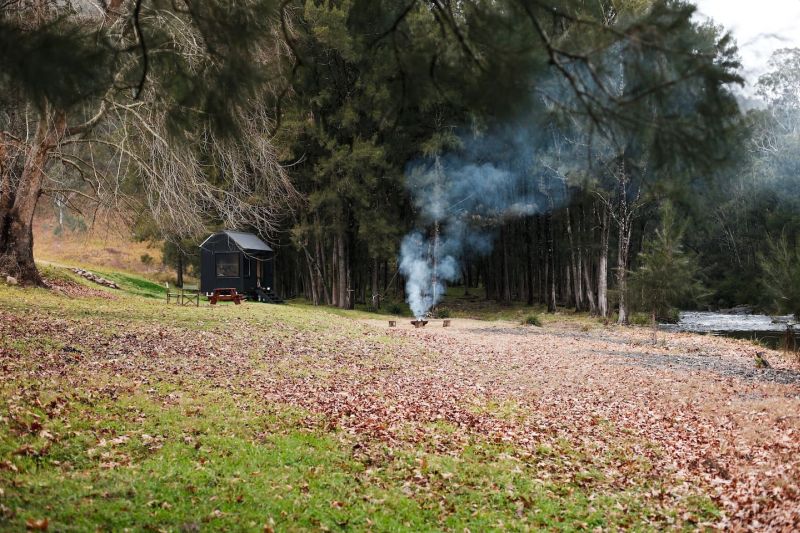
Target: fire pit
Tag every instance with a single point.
(419, 323)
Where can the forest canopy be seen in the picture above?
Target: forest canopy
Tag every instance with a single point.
(390, 149)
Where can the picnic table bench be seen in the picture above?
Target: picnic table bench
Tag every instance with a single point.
(225, 295)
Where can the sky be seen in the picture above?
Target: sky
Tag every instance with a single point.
(759, 27)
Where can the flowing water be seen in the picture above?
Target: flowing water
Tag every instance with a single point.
(765, 329)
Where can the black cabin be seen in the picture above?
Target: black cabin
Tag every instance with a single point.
(236, 260)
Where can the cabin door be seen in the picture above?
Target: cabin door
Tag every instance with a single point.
(259, 273)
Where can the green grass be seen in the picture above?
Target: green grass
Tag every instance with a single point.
(532, 320)
(134, 284)
(55, 273)
(206, 463)
(130, 283)
(92, 450)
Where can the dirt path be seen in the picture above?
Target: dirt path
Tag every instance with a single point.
(713, 416)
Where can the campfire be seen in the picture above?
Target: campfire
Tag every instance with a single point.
(419, 323)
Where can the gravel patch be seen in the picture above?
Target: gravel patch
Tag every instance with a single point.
(722, 366)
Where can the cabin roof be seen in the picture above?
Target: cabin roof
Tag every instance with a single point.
(245, 241)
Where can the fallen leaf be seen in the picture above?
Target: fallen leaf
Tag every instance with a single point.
(37, 525)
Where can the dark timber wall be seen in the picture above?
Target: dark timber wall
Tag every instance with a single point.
(220, 255)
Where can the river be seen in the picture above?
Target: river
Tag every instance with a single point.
(769, 330)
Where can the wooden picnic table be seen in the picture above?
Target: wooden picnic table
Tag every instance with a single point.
(225, 295)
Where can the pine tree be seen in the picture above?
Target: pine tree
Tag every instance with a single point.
(781, 266)
(667, 274)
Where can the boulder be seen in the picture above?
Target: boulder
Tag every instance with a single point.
(11, 280)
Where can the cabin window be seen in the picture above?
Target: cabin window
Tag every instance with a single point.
(227, 265)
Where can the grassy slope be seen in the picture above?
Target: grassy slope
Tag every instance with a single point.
(106, 245)
(89, 448)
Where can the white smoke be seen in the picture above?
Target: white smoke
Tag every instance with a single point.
(462, 197)
(425, 273)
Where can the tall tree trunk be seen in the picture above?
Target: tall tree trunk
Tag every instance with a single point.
(319, 293)
(581, 267)
(575, 259)
(602, 263)
(622, 272)
(376, 297)
(335, 271)
(343, 274)
(16, 226)
(588, 287)
(400, 286)
(179, 269)
(319, 262)
(312, 282)
(551, 264)
(567, 294)
(486, 264)
(586, 262)
(529, 261)
(6, 190)
(466, 276)
(506, 282)
(624, 223)
(541, 260)
(361, 276)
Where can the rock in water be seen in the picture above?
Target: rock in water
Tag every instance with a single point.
(11, 280)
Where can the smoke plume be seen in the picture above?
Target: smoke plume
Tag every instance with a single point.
(462, 197)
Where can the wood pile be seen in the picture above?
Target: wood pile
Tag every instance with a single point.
(95, 278)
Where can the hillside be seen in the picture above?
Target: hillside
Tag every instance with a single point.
(106, 244)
